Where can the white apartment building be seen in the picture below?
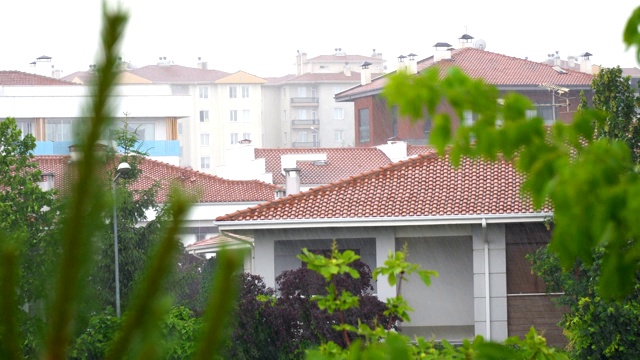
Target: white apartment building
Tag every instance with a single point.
(300, 111)
(51, 109)
(224, 110)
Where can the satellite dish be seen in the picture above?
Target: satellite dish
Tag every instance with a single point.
(480, 44)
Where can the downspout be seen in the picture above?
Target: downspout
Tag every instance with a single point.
(250, 243)
(487, 287)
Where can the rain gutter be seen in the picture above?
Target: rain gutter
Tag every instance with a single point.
(381, 221)
(487, 284)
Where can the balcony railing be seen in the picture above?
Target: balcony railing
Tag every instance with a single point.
(153, 147)
(305, 144)
(305, 122)
(304, 100)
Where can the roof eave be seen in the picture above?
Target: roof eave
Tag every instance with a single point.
(382, 221)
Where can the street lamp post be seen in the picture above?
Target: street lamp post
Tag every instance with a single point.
(123, 168)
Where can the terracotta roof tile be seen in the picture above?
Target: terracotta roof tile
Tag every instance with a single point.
(208, 188)
(174, 74)
(496, 69)
(341, 163)
(426, 185)
(22, 78)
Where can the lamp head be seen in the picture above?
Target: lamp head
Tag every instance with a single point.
(123, 168)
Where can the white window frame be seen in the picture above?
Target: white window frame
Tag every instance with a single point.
(246, 136)
(233, 92)
(338, 113)
(205, 162)
(204, 115)
(468, 117)
(233, 115)
(205, 139)
(245, 92)
(338, 136)
(234, 138)
(203, 92)
(246, 115)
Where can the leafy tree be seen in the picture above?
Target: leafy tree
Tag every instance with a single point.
(596, 327)
(562, 164)
(616, 96)
(26, 214)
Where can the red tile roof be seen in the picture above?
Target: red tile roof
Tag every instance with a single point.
(496, 69)
(426, 185)
(341, 163)
(326, 77)
(354, 59)
(22, 78)
(208, 188)
(174, 74)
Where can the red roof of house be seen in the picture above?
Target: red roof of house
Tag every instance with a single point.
(496, 69)
(341, 163)
(178, 74)
(426, 185)
(207, 188)
(13, 77)
(354, 59)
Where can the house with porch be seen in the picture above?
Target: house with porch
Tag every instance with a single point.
(471, 224)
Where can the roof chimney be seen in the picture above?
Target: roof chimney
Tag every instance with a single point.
(43, 66)
(292, 183)
(347, 69)
(585, 64)
(556, 59)
(47, 181)
(443, 51)
(402, 66)
(365, 75)
(466, 40)
(202, 64)
(280, 193)
(412, 64)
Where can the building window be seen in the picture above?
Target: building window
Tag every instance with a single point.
(203, 92)
(59, 130)
(302, 136)
(469, 117)
(180, 127)
(144, 131)
(338, 113)
(26, 127)
(234, 138)
(245, 91)
(233, 115)
(337, 135)
(204, 139)
(204, 115)
(545, 112)
(246, 115)
(246, 136)
(530, 114)
(233, 92)
(205, 162)
(363, 125)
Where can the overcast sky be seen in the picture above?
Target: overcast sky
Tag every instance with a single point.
(262, 37)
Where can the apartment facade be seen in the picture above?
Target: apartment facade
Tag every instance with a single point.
(51, 110)
(300, 109)
(224, 110)
(553, 90)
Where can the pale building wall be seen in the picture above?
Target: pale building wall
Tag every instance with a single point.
(453, 307)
